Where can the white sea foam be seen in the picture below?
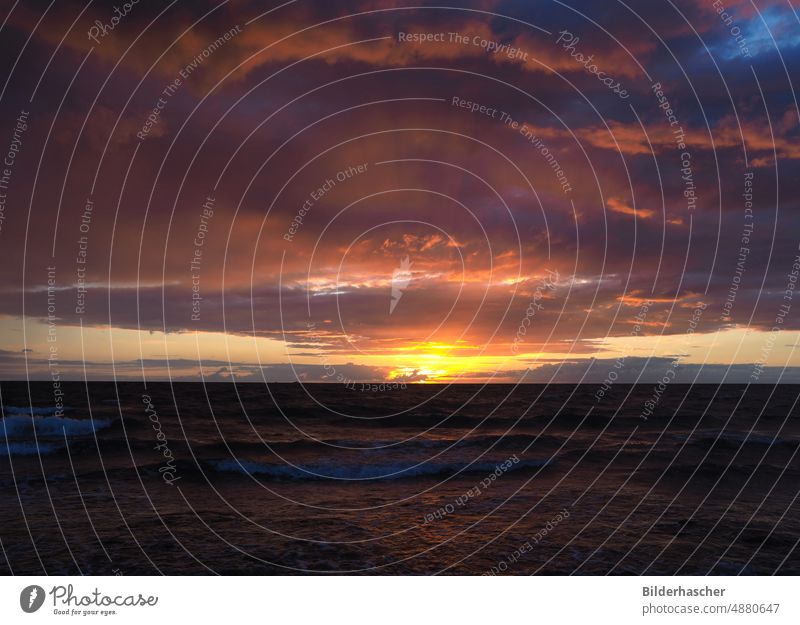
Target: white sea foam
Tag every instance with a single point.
(18, 426)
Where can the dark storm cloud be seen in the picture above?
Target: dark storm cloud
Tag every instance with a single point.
(655, 370)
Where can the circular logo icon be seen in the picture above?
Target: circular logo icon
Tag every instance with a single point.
(31, 598)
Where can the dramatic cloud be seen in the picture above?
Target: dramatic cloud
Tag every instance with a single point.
(397, 190)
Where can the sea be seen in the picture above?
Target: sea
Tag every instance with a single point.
(273, 479)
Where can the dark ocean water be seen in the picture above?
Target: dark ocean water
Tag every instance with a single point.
(250, 479)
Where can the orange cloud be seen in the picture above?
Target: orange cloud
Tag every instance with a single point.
(756, 135)
(618, 206)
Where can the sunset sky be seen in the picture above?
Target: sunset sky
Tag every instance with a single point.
(545, 190)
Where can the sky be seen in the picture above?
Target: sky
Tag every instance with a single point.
(493, 191)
